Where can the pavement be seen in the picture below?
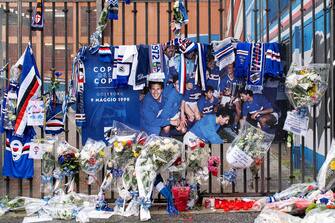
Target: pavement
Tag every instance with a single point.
(204, 215)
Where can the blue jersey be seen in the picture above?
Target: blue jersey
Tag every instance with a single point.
(16, 161)
(151, 111)
(206, 106)
(258, 103)
(228, 84)
(206, 129)
(214, 78)
(172, 102)
(193, 94)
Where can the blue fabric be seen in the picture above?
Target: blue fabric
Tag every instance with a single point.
(214, 77)
(190, 71)
(206, 129)
(227, 83)
(258, 103)
(16, 161)
(172, 103)
(242, 53)
(206, 106)
(273, 66)
(103, 102)
(152, 121)
(192, 95)
(143, 68)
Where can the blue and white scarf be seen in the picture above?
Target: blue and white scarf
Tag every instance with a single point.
(256, 68)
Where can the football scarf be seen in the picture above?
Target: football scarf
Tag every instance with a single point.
(143, 69)
(156, 63)
(242, 53)
(113, 9)
(29, 86)
(37, 22)
(80, 113)
(105, 54)
(256, 68)
(273, 66)
(201, 66)
(223, 52)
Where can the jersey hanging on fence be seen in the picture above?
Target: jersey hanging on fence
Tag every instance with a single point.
(103, 101)
(16, 161)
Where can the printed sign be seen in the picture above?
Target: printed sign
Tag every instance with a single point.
(238, 158)
(36, 115)
(295, 124)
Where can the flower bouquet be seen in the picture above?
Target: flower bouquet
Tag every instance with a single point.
(92, 158)
(125, 146)
(158, 154)
(247, 150)
(326, 175)
(305, 85)
(68, 164)
(67, 206)
(213, 165)
(197, 170)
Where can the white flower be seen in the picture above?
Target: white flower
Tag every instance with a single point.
(167, 141)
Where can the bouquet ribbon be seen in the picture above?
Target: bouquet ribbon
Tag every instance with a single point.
(145, 203)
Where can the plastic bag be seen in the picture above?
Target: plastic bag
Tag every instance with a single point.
(247, 150)
(326, 175)
(319, 215)
(272, 216)
(295, 190)
(47, 166)
(305, 85)
(158, 154)
(92, 158)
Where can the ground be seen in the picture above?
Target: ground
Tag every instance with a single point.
(205, 215)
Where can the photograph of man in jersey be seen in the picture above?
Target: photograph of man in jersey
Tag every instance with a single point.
(218, 111)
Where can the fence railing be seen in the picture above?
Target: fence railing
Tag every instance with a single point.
(69, 25)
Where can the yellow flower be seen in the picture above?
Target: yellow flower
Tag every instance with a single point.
(332, 165)
(135, 154)
(124, 143)
(102, 153)
(116, 144)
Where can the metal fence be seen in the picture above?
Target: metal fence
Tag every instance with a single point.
(70, 23)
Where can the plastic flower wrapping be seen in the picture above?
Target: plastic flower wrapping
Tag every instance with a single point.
(92, 158)
(125, 145)
(62, 206)
(196, 168)
(48, 163)
(213, 165)
(326, 175)
(247, 150)
(158, 154)
(305, 85)
(67, 164)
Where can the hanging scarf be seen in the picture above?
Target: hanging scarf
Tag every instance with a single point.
(113, 8)
(201, 66)
(256, 69)
(223, 52)
(37, 22)
(156, 63)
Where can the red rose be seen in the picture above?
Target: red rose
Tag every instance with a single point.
(202, 144)
(177, 162)
(129, 143)
(92, 161)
